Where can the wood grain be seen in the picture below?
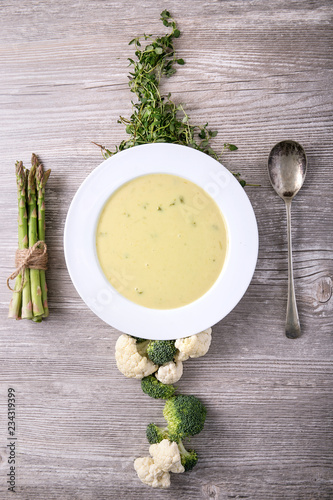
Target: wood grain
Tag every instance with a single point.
(258, 71)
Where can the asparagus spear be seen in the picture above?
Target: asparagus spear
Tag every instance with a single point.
(41, 180)
(20, 304)
(36, 291)
(15, 304)
(26, 292)
(16, 300)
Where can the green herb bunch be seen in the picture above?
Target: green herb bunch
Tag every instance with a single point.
(155, 117)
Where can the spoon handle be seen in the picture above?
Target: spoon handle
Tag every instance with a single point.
(293, 327)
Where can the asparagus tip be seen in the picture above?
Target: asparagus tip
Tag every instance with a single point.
(34, 160)
(19, 168)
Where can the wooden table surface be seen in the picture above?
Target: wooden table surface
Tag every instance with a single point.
(258, 71)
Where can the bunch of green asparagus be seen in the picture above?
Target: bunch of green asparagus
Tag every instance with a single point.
(30, 300)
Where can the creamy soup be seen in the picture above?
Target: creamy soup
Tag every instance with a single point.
(161, 241)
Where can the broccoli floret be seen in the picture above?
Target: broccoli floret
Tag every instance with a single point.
(156, 434)
(189, 458)
(138, 339)
(156, 389)
(185, 415)
(161, 351)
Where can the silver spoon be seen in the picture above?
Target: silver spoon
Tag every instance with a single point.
(287, 165)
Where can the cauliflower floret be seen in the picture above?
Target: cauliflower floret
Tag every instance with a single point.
(169, 373)
(129, 360)
(166, 456)
(180, 356)
(194, 346)
(150, 474)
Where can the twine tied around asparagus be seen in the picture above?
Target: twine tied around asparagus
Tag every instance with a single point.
(34, 257)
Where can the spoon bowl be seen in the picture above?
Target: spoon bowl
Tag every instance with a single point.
(287, 165)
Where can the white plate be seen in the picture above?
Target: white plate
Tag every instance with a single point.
(80, 246)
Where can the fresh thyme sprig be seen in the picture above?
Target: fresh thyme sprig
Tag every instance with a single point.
(155, 117)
